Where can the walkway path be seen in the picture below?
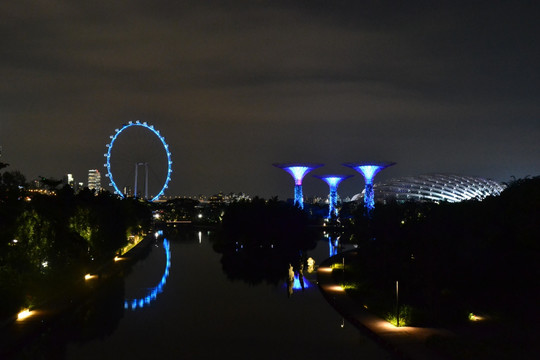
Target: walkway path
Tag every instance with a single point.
(406, 342)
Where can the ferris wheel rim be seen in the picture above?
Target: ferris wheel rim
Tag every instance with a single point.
(111, 145)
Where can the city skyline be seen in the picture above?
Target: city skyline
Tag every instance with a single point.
(234, 88)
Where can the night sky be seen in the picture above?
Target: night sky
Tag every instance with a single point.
(234, 86)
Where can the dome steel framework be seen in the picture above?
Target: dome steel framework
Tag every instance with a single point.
(437, 187)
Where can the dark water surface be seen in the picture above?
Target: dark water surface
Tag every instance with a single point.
(201, 314)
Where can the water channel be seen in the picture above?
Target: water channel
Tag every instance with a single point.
(177, 303)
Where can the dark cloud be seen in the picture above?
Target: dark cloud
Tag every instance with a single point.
(235, 86)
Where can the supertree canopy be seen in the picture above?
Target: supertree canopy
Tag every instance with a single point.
(333, 182)
(298, 171)
(369, 170)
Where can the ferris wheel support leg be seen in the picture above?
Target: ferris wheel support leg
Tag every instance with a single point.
(146, 181)
(136, 177)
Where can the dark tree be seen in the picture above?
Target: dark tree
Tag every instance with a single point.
(259, 239)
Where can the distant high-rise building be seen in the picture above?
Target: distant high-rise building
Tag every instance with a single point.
(68, 180)
(94, 180)
(128, 191)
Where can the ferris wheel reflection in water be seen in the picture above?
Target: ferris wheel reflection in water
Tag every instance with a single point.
(152, 294)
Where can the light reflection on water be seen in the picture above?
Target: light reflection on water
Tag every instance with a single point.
(333, 243)
(297, 285)
(202, 314)
(153, 293)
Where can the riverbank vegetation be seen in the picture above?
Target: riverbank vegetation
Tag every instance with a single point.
(259, 239)
(455, 263)
(50, 239)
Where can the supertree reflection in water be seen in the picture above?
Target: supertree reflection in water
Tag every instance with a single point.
(300, 282)
(152, 294)
(333, 243)
(296, 280)
(259, 239)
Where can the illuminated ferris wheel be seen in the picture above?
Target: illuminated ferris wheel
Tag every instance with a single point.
(138, 161)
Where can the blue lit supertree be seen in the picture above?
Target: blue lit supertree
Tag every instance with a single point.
(298, 171)
(333, 182)
(369, 170)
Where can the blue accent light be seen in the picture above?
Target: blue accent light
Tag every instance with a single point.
(333, 181)
(152, 294)
(297, 285)
(298, 196)
(369, 170)
(332, 247)
(298, 171)
(110, 147)
(333, 244)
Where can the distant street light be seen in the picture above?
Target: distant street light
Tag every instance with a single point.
(23, 314)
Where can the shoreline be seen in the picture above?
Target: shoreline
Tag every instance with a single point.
(16, 334)
(403, 342)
